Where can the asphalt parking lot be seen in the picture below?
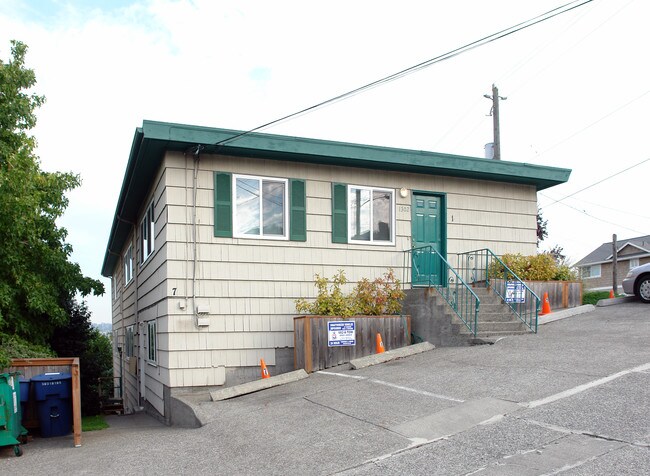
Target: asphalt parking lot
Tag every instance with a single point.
(573, 399)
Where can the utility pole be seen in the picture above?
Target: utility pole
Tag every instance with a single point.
(495, 120)
(614, 264)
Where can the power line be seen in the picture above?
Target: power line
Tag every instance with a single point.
(594, 123)
(596, 183)
(594, 217)
(600, 205)
(425, 64)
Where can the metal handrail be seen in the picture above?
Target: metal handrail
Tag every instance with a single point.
(449, 284)
(484, 267)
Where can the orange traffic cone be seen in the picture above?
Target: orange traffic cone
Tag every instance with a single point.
(546, 306)
(265, 372)
(379, 344)
(611, 294)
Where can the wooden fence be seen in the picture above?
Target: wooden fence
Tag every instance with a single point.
(561, 294)
(29, 368)
(310, 333)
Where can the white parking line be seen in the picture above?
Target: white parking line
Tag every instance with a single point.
(399, 387)
(336, 374)
(585, 386)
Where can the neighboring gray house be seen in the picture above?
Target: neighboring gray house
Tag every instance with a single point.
(215, 235)
(596, 268)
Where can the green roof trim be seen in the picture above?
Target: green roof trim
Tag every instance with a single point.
(153, 138)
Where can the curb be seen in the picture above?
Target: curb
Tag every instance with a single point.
(563, 314)
(614, 301)
(389, 355)
(257, 385)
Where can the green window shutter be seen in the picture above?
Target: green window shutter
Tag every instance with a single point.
(297, 210)
(339, 213)
(223, 204)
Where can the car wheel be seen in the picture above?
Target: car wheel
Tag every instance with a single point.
(643, 288)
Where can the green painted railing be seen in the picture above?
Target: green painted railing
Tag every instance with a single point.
(483, 267)
(429, 269)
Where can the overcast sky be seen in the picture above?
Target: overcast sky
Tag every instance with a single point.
(577, 88)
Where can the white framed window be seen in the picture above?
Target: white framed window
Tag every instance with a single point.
(371, 215)
(260, 207)
(128, 265)
(147, 233)
(592, 271)
(151, 341)
(634, 263)
(128, 342)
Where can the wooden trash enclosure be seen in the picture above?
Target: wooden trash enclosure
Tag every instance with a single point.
(310, 335)
(29, 368)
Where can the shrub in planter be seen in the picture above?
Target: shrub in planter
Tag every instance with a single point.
(541, 267)
(382, 296)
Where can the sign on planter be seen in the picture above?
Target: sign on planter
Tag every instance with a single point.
(341, 333)
(515, 292)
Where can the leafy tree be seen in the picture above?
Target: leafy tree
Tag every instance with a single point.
(79, 339)
(36, 277)
(542, 232)
(12, 347)
(557, 252)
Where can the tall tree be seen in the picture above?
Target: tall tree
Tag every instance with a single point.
(78, 338)
(37, 277)
(541, 227)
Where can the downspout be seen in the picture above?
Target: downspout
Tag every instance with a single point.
(139, 327)
(196, 153)
(121, 349)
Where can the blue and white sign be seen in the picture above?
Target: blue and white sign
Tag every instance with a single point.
(515, 292)
(341, 333)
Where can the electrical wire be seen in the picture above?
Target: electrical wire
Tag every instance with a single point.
(594, 123)
(594, 217)
(415, 68)
(600, 205)
(596, 183)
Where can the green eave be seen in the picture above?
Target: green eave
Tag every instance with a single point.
(154, 138)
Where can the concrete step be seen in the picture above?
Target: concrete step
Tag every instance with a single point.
(500, 316)
(500, 327)
(496, 335)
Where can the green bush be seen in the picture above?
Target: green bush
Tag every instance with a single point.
(540, 267)
(592, 297)
(14, 347)
(381, 296)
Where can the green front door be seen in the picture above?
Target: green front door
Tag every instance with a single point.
(427, 231)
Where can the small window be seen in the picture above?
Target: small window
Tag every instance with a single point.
(128, 342)
(151, 333)
(260, 207)
(592, 271)
(371, 215)
(634, 263)
(128, 265)
(147, 233)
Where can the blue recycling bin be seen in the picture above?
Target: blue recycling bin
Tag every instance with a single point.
(24, 394)
(52, 392)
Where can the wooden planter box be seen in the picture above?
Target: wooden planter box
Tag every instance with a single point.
(310, 339)
(561, 294)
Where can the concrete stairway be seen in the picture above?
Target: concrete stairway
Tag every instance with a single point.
(495, 318)
(433, 320)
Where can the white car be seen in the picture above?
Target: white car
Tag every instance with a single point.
(637, 282)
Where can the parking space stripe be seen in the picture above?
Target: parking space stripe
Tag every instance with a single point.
(392, 385)
(585, 386)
